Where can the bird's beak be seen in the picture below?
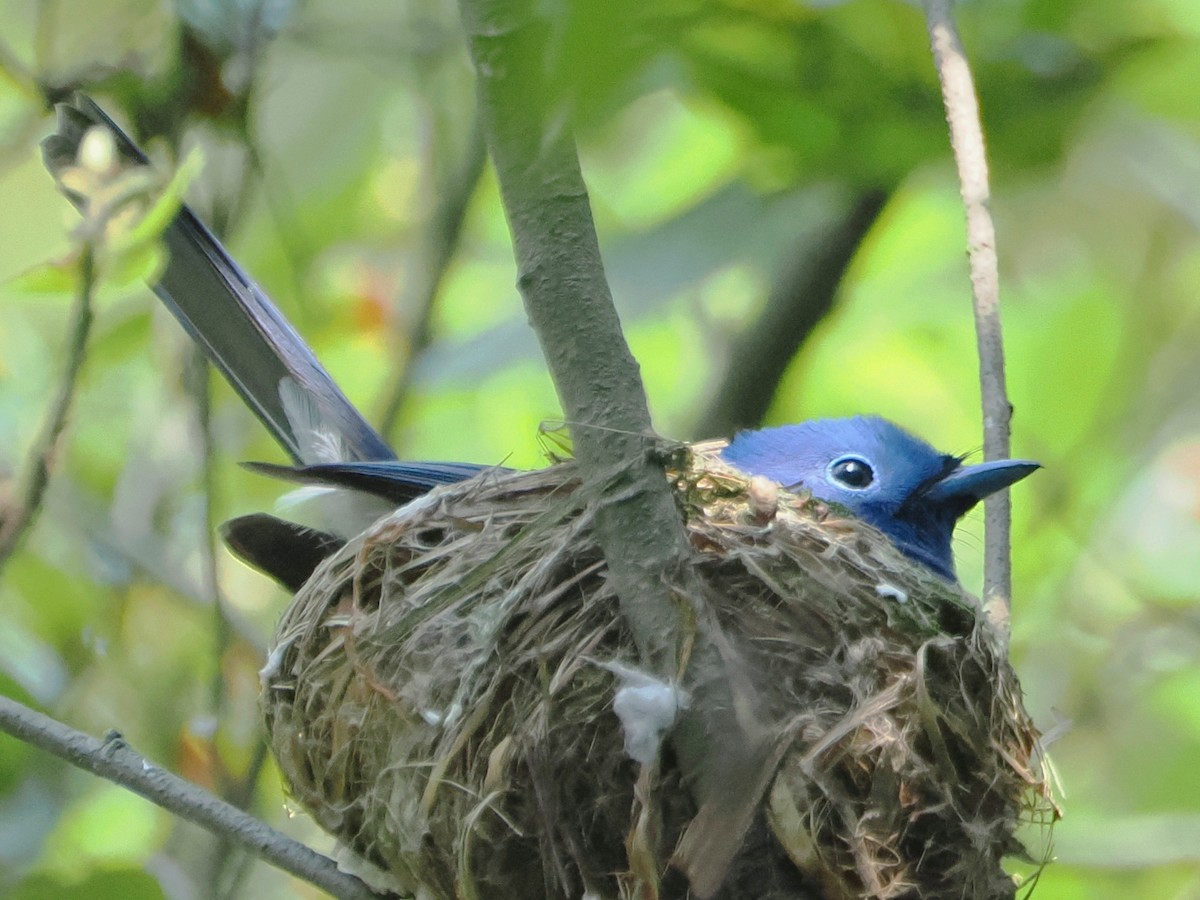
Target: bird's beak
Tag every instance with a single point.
(967, 485)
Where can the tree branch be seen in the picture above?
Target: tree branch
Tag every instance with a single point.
(566, 295)
(114, 760)
(803, 294)
(14, 523)
(966, 137)
(239, 791)
(720, 742)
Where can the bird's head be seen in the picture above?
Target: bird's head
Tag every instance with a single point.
(882, 474)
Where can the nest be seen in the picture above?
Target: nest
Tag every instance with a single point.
(439, 699)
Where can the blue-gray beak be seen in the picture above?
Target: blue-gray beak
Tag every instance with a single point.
(967, 485)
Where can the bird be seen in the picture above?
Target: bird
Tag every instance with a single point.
(882, 474)
(868, 465)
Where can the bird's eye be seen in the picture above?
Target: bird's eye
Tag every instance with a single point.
(851, 472)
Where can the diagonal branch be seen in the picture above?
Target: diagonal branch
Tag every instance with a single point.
(802, 296)
(14, 523)
(721, 743)
(567, 298)
(966, 137)
(113, 759)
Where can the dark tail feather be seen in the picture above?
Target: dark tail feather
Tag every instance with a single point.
(288, 552)
(395, 481)
(242, 332)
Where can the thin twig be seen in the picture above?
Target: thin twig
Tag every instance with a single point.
(229, 870)
(200, 386)
(19, 519)
(226, 866)
(966, 137)
(441, 242)
(114, 760)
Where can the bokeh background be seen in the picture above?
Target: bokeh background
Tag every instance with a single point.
(779, 214)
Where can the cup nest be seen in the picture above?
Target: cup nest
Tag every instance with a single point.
(440, 698)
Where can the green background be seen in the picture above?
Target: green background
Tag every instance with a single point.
(718, 139)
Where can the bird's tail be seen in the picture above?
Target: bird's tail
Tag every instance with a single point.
(243, 333)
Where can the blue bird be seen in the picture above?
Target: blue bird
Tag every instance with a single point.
(880, 473)
(873, 468)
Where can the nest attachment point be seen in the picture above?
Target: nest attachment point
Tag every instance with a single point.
(441, 695)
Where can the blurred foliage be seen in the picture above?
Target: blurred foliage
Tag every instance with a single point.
(717, 136)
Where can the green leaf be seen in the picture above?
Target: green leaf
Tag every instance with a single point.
(60, 276)
(155, 220)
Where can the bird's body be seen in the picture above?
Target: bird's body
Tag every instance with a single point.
(872, 467)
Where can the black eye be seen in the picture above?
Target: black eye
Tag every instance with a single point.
(852, 472)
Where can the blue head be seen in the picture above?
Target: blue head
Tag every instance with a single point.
(881, 473)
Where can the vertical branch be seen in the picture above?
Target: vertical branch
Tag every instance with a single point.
(803, 294)
(566, 295)
(225, 853)
(199, 386)
(225, 865)
(721, 742)
(966, 137)
(14, 523)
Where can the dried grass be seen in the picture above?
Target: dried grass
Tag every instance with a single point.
(437, 703)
